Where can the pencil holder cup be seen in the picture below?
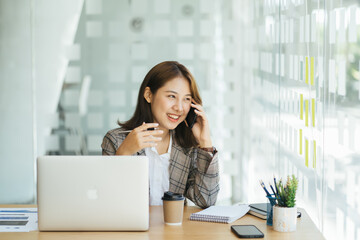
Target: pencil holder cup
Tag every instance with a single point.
(269, 210)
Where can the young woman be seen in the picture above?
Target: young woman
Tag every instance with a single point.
(182, 159)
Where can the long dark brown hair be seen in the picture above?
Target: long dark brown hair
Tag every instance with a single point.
(157, 77)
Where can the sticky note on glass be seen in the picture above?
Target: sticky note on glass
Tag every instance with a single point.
(306, 152)
(306, 70)
(314, 154)
(300, 141)
(306, 113)
(301, 106)
(312, 69)
(313, 111)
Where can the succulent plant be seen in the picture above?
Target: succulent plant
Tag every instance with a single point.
(286, 194)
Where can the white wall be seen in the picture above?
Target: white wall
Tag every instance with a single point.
(54, 29)
(35, 36)
(16, 104)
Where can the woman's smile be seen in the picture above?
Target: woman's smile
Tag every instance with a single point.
(173, 117)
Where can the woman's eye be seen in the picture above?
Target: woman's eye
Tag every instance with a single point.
(187, 99)
(171, 96)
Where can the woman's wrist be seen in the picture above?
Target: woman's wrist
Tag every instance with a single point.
(120, 151)
(207, 144)
(209, 149)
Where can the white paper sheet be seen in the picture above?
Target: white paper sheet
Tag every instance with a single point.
(291, 131)
(342, 25)
(313, 27)
(320, 71)
(352, 24)
(352, 130)
(277, 64)
(332, 84)
(296, 67)
(291, 30)
(307, 28)
(332, 27)
(342, 78)
(291, 67)
(302, 20)
(282, 65)
(282, 32)
(277, 26)
(287, 27)
(17, 215)
(341, 127)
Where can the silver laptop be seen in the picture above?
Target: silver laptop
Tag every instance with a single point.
(93, 193)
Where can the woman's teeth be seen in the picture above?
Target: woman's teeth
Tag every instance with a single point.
(173, 116)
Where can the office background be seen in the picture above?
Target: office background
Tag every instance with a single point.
(280, 81)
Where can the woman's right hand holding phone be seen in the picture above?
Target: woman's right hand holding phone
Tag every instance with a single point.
(140, 138)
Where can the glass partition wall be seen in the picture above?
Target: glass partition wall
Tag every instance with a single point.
(87, 60)
(280, 82)
(301, 64)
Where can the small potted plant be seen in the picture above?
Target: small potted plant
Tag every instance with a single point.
(285, 211)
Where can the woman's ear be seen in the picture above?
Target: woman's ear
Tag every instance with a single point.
(147, 94)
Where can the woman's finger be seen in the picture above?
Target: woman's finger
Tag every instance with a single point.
(197, 107)
(151, 139)
(150, 144)
(152, 133)
(145, 126)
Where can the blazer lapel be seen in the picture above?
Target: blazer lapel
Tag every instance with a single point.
(178, 169)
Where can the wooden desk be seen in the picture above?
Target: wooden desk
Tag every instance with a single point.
(306, 229)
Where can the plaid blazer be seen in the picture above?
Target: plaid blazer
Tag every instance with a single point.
(193, 172)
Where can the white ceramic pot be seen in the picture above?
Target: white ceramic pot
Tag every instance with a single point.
(284, 219)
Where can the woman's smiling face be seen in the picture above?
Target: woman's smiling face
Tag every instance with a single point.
(171, 103)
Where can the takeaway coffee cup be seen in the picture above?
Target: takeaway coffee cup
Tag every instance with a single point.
(173, 205)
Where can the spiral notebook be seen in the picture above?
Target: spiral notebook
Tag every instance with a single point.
(221, 214)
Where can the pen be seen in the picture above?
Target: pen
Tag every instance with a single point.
(127, 131)
(272, 189)
(276, 188)
(263, 186)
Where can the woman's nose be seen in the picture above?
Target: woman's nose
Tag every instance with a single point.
(179, 106)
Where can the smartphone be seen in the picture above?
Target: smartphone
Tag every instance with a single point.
(247, 231)
(191, 118)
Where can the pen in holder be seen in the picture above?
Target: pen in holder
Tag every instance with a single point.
(269, 210)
